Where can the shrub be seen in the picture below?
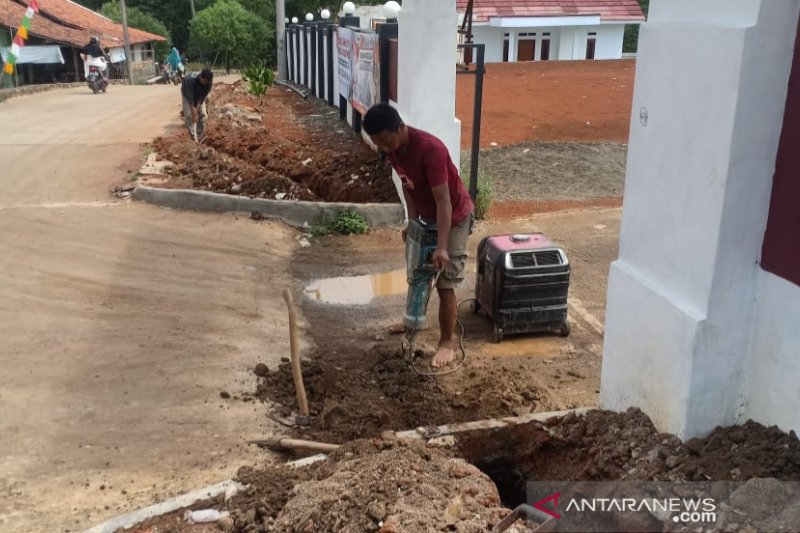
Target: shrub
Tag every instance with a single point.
(484, 200)
(347, 222)
(259, 79)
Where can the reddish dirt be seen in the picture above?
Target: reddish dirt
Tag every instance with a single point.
(549, 101)
(279, 146)
(511, 210)
(390, 485)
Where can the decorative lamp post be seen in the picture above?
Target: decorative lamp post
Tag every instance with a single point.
(391, 10)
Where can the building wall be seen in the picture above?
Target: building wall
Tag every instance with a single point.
(566, 42)
(682, 313)
(772, 389)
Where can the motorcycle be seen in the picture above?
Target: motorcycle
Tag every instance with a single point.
(95, 79)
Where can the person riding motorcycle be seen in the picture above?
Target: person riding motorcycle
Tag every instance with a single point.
(93, 55)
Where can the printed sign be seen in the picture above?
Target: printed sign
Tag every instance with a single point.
(366, 77)
(344, 44)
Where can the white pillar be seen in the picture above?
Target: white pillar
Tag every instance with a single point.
(426, 85)
(700, 166)
(512, 45)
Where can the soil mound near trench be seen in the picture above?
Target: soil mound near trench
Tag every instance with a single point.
(278, 146)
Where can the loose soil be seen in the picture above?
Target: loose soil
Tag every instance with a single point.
(584, 101)
(277, 146)
(391, 485)
(553, 171)
(359, 384)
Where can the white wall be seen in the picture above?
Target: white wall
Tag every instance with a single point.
(680, 298)
(566, 42)
(493, 39)
(609, 42)
(773, 374)
(426, 91)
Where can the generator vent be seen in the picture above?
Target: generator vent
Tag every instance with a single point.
(547, 258)
(533, 259)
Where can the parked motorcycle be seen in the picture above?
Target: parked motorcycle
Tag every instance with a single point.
(94, 78)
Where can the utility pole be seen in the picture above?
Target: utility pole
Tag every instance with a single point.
(191, 5)
(280, 32)
(128, 57)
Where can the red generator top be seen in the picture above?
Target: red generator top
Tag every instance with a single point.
(520, 241)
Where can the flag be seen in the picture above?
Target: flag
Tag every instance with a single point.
(33, 4)
(11, 59)
(14, 50)
(18, 40)
(26, 23)
(22, 32)
(29, 13)
(9, 68)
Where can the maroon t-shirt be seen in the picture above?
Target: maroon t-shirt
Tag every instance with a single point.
(424, 164)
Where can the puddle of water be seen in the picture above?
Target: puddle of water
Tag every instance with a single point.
(538, 346)
(358, 290)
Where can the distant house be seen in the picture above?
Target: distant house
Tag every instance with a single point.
(59, 31)
(542, 30)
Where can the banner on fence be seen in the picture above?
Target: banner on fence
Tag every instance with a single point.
(344, 43)
(366, 76)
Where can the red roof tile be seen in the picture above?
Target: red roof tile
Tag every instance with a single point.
(66, 22)
(609, 10)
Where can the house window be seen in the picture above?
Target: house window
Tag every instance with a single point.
(591, 45)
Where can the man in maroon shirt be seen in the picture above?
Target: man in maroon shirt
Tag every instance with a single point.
(434, 192)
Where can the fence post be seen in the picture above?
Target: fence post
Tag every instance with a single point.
(312, 61)
(386, 32)
(321, 60)
(332, 54)
(304, 44)
(289, 66)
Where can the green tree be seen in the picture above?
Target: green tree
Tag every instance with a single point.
(143, 21)
(228, 30)
(630, 42)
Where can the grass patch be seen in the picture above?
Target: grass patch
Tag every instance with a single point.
(347, 222)
(485, 192)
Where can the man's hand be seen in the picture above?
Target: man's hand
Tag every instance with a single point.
(440, 259)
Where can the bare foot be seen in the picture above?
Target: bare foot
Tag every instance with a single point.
(443, 357)
(396, 329)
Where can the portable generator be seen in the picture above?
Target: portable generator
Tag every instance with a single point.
(522, 284)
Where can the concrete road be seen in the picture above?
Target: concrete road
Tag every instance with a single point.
(120, 323)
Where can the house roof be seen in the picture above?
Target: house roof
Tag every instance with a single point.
(66, 22)
(609, 10)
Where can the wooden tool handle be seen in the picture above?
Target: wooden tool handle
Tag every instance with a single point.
(297, 374)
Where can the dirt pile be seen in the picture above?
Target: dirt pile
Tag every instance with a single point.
(355, 394)
(385, 485)
(277, 146)
(626, 446)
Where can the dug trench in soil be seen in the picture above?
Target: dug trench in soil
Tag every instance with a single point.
(392, 485)
(276, 146)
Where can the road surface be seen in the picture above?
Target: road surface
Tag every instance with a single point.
(120, 323)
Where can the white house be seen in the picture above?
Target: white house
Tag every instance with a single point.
(542, 30)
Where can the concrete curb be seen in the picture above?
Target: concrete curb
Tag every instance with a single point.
(293, 213)
(137, 517)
